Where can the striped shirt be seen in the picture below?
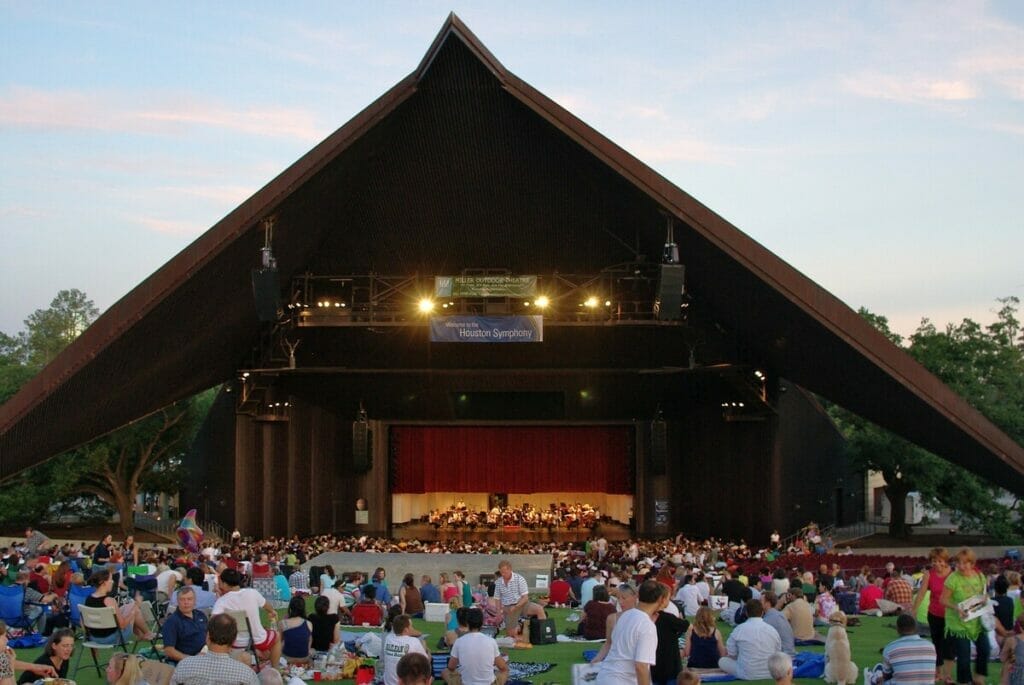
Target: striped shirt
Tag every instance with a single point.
(910, 660)
(510, 592)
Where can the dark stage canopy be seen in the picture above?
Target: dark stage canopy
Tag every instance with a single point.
(462, 164)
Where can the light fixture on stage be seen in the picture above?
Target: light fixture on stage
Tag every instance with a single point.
(541, 302)
(266, 288)
(426, 305)
(591, 302)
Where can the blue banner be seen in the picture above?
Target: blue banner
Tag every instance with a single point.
(487, 329)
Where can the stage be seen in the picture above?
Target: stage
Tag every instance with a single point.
(417, 530)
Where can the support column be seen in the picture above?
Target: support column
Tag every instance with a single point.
(248, 477)
(299, 475)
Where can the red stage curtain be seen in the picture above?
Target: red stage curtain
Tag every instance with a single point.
(511, 459)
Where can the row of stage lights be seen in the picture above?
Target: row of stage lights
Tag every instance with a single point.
(427, 305)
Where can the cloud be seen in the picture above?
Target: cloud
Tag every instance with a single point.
(80, 110)
(168, 226)
(227, 195)
(909, 88)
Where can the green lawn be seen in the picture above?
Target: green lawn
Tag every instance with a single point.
(866, 640)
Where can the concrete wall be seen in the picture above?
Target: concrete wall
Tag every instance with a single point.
(397, 565)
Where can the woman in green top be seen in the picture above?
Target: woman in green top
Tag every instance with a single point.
(966, 581)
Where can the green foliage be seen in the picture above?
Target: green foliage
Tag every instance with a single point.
(985, 365)
(50, 330)
(144, 456)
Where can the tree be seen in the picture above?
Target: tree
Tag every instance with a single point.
(144, 456)
(49, 331)
(141, 457)
(983, 364)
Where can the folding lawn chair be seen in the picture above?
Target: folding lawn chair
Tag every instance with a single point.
(245, 633)
(98, 618)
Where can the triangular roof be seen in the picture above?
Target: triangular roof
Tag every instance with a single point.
(463, 142)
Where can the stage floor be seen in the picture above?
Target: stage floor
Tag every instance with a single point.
(424, 531)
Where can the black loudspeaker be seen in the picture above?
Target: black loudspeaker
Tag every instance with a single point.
(670, 292)
(659, 448)
(542, 632)
(266, 290)
(362, 455)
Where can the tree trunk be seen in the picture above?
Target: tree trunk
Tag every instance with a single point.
(897, 493)
(126, 511)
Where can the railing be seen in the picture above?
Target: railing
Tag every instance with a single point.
(856, 531)
(162, 527)
(168, 528)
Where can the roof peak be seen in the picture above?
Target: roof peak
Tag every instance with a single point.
(454, 27)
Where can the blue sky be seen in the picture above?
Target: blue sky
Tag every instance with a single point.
(878, 147)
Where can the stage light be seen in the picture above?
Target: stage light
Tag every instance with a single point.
(607, 303)
(426, 305)
(337, 304)
(542, 301)
(245, 374)
(759, 374)
(591, 302)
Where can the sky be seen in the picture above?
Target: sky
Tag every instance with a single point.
(877, 147)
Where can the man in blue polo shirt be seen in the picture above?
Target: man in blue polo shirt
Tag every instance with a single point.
(184, 631)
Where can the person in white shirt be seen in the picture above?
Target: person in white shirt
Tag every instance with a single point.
(511, 590)
(233, 598)
(336, 598)
(750, 645)
(475, 659)
(689, 596)
(397, 644)
(634, 640)
(588, 585)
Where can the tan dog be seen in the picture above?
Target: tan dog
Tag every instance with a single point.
(838, 666)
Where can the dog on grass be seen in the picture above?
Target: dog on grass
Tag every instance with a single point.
(839, 668)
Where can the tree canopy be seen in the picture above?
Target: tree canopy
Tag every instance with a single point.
(144, 456)
(985, 365)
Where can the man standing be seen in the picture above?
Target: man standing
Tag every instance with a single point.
(750, 645)
(909, 659)
(397, 644)
(475, 659)
(511, 590)
(184, 631)
(234, 598)
(215, 667)
(634, 640)
(33, 541)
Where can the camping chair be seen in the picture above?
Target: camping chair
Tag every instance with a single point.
(13, 608)
(245, 633)
(76, 597)
(98, 618)
(144, 585)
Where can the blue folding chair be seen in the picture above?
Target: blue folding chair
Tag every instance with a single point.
(76, 596)
(13, 608)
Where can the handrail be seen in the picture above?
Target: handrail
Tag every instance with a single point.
(168, 528)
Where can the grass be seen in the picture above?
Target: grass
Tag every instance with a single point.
(866, 642)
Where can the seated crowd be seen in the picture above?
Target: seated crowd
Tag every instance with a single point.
(774, 603)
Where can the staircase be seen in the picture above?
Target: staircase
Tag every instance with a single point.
(168, 528)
